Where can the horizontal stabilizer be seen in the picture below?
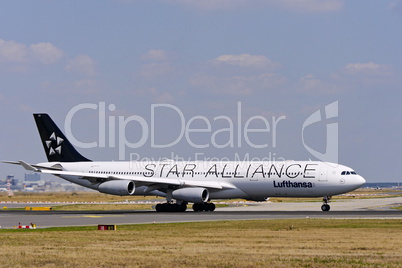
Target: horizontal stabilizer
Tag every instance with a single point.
(28, 166)
(23, 164)
(35, 168)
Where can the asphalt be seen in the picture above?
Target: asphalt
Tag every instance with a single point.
(349, 209)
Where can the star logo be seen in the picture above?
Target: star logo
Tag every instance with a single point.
(54, 144)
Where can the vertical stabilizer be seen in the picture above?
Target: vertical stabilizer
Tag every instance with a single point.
(56, 145)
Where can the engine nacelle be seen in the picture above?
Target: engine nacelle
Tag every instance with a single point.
(117, 187)
(193, 195)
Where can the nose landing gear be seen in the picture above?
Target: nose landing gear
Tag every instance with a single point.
(325, 206)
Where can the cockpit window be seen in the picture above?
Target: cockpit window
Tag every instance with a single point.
(348, 173)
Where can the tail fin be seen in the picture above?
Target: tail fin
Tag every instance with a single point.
(56, 145)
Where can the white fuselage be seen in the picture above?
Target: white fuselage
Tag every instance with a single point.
(249, 180)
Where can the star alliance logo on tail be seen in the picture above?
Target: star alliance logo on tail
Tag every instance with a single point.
(54, 139)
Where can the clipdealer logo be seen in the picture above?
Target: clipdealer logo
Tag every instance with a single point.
(237, 133)
(112, 130)
(331, 148)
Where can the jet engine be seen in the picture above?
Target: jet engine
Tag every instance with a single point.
(194, 195)
(117, 187)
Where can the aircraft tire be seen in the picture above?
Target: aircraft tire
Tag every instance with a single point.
(160, 208)
(209, 206)
(166, 207)
(197, 207)
(325, 207)
(182, 207)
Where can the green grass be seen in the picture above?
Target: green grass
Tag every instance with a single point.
(254, 243)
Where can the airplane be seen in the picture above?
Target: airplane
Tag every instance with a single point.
(197, 182)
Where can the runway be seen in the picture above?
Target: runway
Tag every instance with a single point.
(356, 209)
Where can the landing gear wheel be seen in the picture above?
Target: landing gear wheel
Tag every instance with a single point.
(161, 207)
(168, 207)
(198, 207)
(182, 207)
(325, 207)
(203, 207)
(209, 207)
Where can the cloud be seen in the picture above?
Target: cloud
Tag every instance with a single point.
(153, 70)
(83, 65)
(157, 64)
(369, 68)
(46, 52)
(86, 86)
(245, 60)
(354, 75)
(155, 55)
(396, 6)
(236, 86)
(350, 77)
(25, 108)
(237, 76)
(155, 95)
(312, 85)
(165, 97)
(13, 52)
(18, 53)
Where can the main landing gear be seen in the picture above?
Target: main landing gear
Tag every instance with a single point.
(171, 207)
(175, 207)
(325, 206)
(204, 206)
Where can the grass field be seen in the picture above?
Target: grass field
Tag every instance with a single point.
(266, 243)
(274, 243)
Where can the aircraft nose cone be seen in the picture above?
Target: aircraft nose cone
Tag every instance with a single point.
(360, 181)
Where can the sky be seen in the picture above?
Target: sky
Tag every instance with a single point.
(205, 80)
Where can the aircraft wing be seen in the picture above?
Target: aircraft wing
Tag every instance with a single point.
(147, 181)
